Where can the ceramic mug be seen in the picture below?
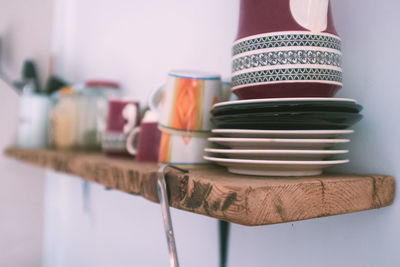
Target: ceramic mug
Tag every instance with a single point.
(33, 121)
(184, 103)
(183, 151)
(144, 140)
(286, 48)
(123, 116)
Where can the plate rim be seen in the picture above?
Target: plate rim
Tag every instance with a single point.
(278, 140)
(278, 151)
(274, 114)
(244, 131)
(293, 99)
(277, 162)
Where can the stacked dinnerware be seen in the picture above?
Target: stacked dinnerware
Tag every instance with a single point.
(286, 68)
(282, 136)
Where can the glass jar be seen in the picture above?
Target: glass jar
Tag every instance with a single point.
(93, 110)
(64, 119)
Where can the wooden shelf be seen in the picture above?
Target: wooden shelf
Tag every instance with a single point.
(216, 193)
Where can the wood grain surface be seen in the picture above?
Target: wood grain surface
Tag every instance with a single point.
(214, 192)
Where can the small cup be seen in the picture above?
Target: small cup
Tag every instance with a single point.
(148, 137)
(186, 101)
(123, 116)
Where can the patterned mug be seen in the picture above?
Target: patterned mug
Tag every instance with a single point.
(123, 116)
(184, 103)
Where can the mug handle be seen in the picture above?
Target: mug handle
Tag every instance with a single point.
(130, 141)
(130, 114)
(155, 98)
(226, 91)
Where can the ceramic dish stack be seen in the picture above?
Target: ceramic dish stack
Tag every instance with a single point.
(282, 136)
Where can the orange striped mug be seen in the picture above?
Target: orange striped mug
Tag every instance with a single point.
(185, 102)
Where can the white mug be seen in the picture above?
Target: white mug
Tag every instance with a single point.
(33, 121)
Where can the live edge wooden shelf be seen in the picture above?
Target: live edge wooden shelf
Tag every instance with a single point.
(216, 193)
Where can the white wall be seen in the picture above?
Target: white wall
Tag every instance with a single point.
(137, 42)
(25, 30)
(112, 228)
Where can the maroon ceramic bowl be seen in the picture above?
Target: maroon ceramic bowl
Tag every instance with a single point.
(286, 90)
(266, 16)
(286, 48)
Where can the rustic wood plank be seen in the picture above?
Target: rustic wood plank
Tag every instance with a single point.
(216, 193)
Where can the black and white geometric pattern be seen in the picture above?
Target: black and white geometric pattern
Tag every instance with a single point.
(286, 40)
(279, 75)
(113, 141)
(287, 56)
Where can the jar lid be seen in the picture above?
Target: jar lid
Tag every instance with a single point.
(102, 83)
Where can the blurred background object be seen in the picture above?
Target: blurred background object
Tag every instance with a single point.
(25, 32)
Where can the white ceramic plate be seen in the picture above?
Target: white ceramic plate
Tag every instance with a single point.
(275, 167)
(294, 99)
(281, 133)
(276, 143)
(262, 154)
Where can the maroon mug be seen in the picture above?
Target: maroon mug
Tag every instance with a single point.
(286, 48)
(123, 116)
(144, 141)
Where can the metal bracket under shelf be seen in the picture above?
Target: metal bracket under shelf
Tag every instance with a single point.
(163, 196)
(164, 202)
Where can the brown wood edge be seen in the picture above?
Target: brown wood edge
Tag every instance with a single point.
(193, 194)
(197, 200)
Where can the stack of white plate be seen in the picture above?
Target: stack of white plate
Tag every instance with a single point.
(280, 152)
(277, 152)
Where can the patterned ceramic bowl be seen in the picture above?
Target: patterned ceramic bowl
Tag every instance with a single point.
(286, 55)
